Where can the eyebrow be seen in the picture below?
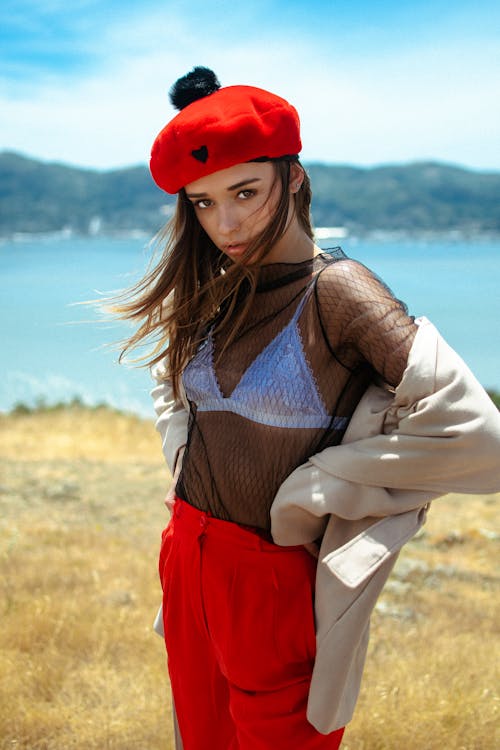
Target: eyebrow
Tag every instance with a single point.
(236, 186)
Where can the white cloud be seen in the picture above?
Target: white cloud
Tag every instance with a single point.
(413, 104)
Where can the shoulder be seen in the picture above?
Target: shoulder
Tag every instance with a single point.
(346, 279)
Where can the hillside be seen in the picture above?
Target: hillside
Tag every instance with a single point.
(37, 196)
(413, 198)
(41, 197)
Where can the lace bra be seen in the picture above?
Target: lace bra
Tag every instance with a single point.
(277, 389)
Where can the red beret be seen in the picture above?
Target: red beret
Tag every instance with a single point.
(234, 124)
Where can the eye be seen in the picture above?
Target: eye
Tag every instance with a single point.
(203, 203)
(245, 194)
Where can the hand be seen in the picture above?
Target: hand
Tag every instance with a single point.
(170, 498)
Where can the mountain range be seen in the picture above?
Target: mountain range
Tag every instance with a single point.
(422, 197)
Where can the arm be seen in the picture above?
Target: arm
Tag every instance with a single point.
(439, 433)
(172, 424)
(172, 418)
(362, 321)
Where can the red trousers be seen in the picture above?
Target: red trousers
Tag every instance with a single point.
(239, 630)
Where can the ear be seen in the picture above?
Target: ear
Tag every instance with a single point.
(296, 177)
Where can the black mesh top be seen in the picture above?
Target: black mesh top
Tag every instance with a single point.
(317, 334)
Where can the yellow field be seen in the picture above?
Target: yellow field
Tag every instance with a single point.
(80, 518)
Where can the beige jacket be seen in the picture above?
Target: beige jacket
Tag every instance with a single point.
(439, 432)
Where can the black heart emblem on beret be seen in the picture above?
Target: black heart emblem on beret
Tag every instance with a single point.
(201, 154)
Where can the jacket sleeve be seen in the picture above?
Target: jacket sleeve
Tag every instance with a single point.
(438, 433)
(172, 416)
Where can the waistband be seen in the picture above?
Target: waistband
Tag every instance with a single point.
(186, 517)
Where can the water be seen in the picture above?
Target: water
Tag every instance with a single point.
(54, 350)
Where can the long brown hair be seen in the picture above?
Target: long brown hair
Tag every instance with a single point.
(194, 284)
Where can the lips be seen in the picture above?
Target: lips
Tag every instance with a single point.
(235, 248)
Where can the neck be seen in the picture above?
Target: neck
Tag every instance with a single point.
(294, 246)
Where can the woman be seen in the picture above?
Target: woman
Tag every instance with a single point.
(270, 353)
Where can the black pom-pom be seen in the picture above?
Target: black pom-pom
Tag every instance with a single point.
(195, 85)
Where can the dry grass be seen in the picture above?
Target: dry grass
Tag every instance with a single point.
(80, 519)
(81, 516)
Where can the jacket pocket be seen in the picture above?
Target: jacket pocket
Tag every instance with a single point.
(355, 561)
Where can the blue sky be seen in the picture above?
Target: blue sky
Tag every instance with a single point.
(86, 82)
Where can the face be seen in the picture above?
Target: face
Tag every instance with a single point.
(235, 205)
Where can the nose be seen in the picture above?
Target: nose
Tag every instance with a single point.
(228, 220)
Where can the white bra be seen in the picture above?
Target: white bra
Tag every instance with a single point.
(277, 389)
